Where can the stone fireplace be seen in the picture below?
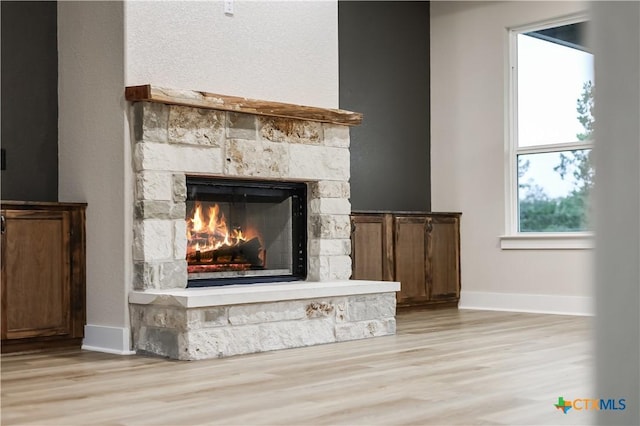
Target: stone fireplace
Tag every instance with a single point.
(180, 135)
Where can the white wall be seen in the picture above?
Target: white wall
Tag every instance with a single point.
(617, 108)
(468, 67)
(281, 51)
(93, 156)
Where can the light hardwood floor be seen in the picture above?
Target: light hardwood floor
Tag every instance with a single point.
(445, 367)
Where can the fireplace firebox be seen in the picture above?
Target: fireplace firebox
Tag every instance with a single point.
(245, 232)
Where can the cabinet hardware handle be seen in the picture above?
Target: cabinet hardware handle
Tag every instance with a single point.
(3, 225)
(429, 226)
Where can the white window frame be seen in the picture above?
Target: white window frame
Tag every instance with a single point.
(512, 239)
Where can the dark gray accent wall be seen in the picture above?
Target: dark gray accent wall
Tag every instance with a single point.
(29, 101)
(384, 74)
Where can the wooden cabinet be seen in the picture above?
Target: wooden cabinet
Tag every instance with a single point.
(371, 255)
(421, 250)
(43, 275)
(410, 252)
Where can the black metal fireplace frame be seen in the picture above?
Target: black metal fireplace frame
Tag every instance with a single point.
(229, 188)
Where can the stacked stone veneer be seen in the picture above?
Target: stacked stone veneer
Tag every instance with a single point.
(173, 141)
(169, 329)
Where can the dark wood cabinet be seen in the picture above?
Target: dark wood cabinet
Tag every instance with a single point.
(420, 250)
(410, 258)
(43, 275)
(371, 255)
(443, 256)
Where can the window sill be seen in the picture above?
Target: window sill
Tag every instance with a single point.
(542, 241)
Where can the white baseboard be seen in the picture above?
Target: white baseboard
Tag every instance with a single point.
(534, 303)
(112, 340)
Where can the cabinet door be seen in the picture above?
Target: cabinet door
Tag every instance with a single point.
(371, 239)
(36, 268)
(410, 252)
(443, 257)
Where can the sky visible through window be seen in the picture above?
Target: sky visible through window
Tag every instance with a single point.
(550, 81)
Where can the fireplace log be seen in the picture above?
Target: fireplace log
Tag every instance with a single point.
(244, 252)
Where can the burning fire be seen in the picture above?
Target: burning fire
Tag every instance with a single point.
(208, 235)
(211, 233)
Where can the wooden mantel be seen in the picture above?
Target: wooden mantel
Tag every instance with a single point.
(150, 93)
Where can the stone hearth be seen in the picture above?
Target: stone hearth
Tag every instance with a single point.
(199, 323)
(180, 133)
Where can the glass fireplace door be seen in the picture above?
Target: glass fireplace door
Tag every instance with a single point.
(244, 231)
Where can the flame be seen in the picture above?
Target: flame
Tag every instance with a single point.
(210, 231)
(197, 220)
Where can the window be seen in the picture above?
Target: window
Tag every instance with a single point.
(550, 137)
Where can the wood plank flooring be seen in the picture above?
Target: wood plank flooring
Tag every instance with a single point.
(444, 367)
